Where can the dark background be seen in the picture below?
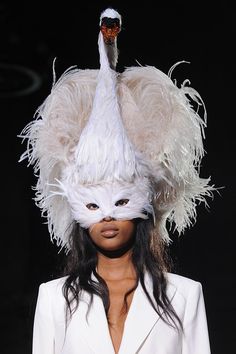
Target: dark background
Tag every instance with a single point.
(34, 33)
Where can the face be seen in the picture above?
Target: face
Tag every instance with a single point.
(112, 235)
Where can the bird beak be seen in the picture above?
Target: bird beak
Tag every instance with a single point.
(110, 32)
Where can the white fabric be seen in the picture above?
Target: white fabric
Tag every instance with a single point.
(144, 332)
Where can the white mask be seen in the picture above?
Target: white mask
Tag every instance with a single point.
(120, 200)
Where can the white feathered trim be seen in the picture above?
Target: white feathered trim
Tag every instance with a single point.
(105, 195)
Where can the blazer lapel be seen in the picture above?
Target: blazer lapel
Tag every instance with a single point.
(95, 329)
(139, 322)
(141, 318)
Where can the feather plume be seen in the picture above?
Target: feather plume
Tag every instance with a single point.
(162, 124)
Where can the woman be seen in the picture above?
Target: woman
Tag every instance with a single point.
(128, 314)
(117, 157)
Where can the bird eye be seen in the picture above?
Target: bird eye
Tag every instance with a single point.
(92, 206)
(122, 202)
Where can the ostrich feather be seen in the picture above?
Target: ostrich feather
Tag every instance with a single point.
(169, 133)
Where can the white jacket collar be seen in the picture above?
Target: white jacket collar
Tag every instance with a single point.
(140, 320)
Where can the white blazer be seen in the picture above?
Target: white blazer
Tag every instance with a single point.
(144, 331)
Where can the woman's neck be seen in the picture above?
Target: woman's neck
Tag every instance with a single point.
(117, 268)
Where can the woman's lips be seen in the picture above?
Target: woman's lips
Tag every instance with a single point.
(109, 231)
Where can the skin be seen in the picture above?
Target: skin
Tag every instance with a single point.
(114, 240)
(112, 235)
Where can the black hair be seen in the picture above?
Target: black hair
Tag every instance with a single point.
(82, 263)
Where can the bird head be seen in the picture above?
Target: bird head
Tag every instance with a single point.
(110, 26)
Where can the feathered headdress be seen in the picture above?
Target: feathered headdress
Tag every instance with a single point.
(101, 137)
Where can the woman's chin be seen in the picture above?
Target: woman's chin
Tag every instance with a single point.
(114, 250)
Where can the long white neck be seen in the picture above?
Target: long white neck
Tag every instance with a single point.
(112, 54)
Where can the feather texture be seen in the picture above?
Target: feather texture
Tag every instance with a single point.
(169, 133)
(100, 136)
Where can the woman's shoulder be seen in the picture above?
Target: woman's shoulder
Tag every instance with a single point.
(183, 285)
(181, 280)
(54, 285)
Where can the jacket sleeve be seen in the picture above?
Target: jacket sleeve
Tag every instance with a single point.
(43, 331)
(195, 337)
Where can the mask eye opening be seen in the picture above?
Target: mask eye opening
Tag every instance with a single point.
(121, 202)
(92, 206)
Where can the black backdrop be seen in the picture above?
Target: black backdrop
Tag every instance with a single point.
(32, 35)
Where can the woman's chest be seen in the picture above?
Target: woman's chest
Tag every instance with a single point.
(120, 298)
(143, 331)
